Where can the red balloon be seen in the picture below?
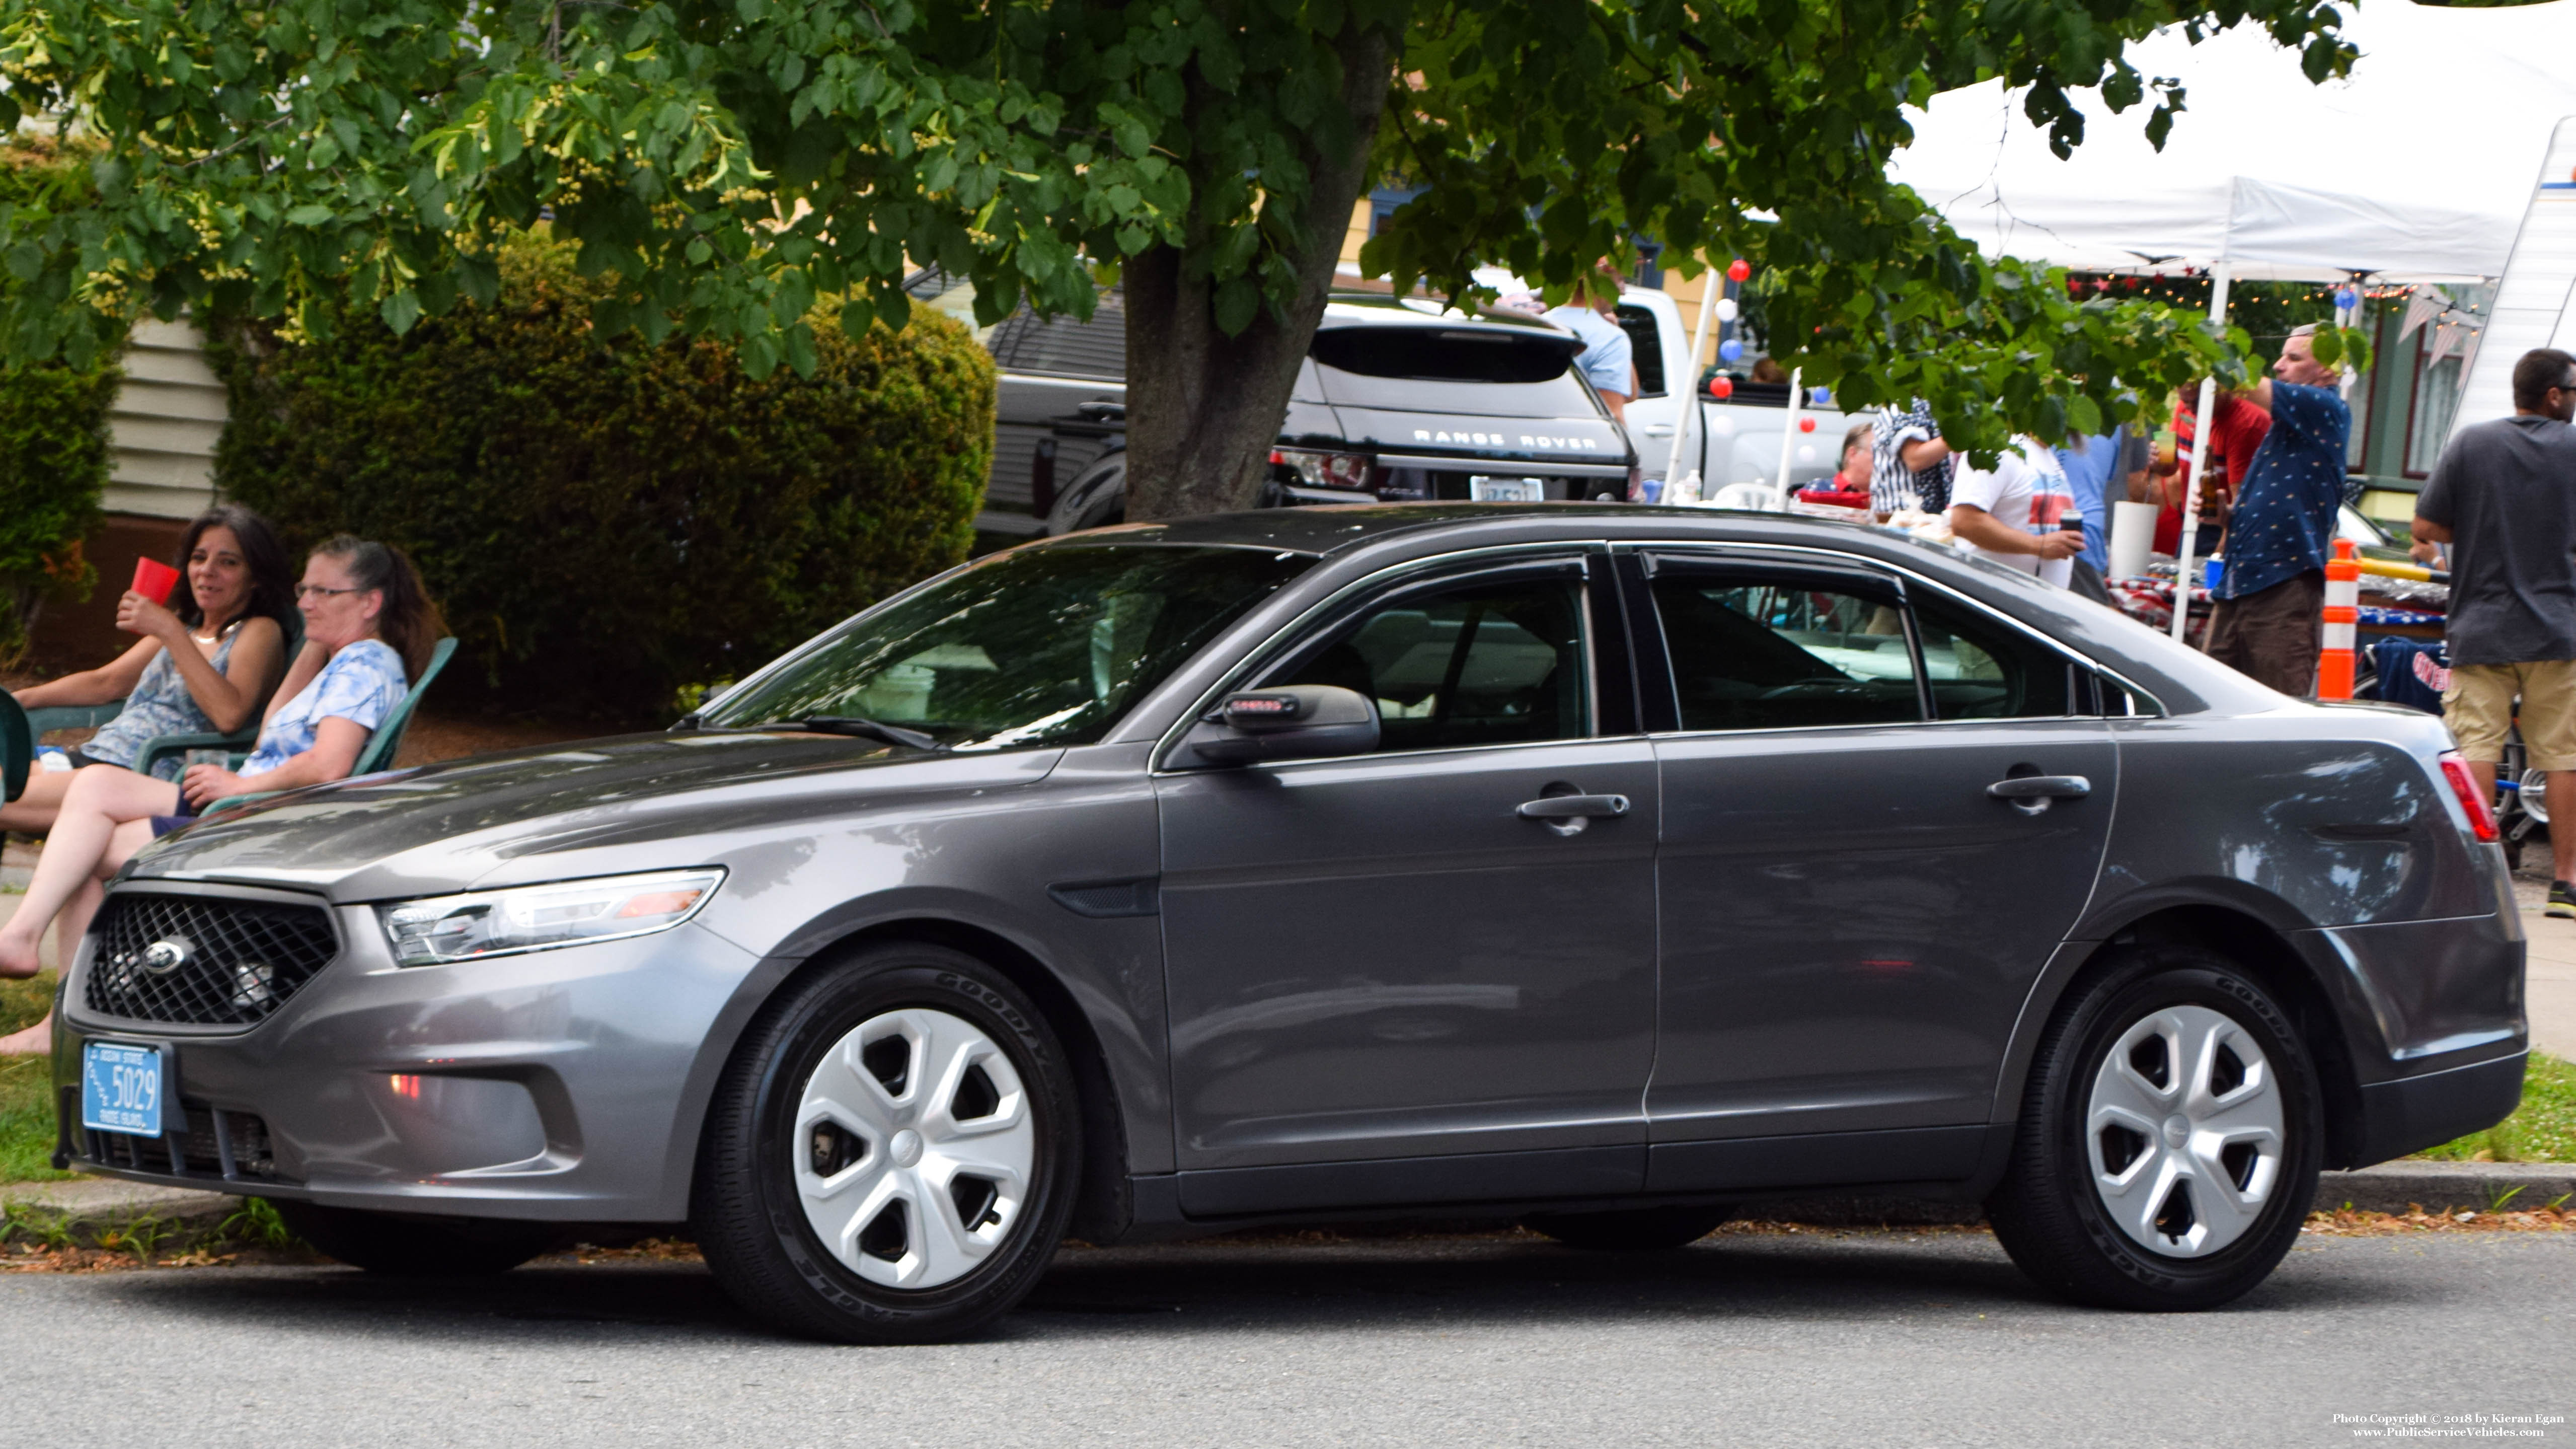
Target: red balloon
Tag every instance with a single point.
(1721, 386)
(1738, 270)
(1806, 425)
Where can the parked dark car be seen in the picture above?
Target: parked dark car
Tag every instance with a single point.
(1396, 402)
(1604, 866)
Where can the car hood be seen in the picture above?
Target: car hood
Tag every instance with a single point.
(549, 814)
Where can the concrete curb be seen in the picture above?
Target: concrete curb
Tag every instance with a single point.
(94, 1205)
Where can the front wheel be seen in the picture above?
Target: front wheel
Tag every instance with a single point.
(891, 1154)
(2169, 1140)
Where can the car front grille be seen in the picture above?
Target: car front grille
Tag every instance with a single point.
(204, 1142)
(201, 960)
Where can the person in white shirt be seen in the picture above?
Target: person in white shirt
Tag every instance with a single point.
(2020, 514)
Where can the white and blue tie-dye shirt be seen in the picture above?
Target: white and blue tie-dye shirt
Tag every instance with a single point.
(361, 684)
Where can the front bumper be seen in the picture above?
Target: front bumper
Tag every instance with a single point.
(563, 1085)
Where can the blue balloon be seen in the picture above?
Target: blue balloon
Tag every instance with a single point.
(1731, 350)
(1824, 397)
(2347, 298)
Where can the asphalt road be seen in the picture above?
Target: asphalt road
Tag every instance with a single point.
(1812, 1340)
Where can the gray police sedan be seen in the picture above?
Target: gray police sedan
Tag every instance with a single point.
(1602, 866)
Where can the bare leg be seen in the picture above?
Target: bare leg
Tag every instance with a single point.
(32, 813)
(2562, 838)
(77, 913)
(102, 798)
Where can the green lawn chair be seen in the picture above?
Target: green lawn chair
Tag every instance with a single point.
(73, 716)
(17, 746)
(379, 752)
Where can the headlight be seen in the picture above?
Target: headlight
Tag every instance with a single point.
(535, 918)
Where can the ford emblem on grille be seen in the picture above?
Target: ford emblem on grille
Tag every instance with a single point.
(168, 954)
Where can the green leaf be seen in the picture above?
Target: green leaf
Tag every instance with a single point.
(2327, 344)
(1236, 302)
(310, 214)
(400, 311)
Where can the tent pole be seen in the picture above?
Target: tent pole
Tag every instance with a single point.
(1692, 401)
(2199, 460)
(1789, 434)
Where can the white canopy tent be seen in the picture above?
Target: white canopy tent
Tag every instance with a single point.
(2416, 169)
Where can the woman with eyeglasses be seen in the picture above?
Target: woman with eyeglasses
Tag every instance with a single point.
(368, 626)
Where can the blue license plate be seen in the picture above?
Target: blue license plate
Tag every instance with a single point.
(121, 1086)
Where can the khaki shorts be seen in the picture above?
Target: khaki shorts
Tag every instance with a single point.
(2479, 709)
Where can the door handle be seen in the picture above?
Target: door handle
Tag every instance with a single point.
(2024, 788)
(1658, 430)
(1573, 807)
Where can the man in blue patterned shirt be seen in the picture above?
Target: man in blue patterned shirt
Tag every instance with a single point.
(2266, 617)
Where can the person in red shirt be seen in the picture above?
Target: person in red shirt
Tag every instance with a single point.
(2238, 431)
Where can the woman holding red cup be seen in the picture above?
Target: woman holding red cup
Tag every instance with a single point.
(212, 651)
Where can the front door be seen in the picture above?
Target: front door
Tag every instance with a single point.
(1851, 920)
(1378, 960)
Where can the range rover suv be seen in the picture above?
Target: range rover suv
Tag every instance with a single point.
(1396, 402)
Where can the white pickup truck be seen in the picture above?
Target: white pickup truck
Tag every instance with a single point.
(1739, 439)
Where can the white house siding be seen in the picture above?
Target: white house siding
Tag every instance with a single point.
(167, 417)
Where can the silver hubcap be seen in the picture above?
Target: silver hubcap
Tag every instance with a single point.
(2184, 1132)
(914, 1144)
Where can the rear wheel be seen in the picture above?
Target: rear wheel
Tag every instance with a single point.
(890, 1157)
(1629, 1230)
(402, 1246)
(2169, 1140)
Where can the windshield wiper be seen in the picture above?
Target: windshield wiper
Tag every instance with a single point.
(863, 728)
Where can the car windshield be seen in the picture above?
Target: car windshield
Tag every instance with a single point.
(1046, 646)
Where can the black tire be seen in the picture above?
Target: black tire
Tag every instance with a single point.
(1630, 1230)
(749, 1219)
(400, 1245)
(2048, 1212)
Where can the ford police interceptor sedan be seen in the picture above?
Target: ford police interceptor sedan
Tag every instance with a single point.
(1599, 865)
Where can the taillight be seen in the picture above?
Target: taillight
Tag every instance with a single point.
(2473, 794)
(1327, 470)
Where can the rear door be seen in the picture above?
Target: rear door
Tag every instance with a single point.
(1851, 921)
(1386, 985)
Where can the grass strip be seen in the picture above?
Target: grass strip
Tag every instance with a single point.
(2542, 1129)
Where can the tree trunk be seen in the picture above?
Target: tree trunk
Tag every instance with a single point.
(1203, 408)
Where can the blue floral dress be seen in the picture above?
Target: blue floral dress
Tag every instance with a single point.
(160, 705)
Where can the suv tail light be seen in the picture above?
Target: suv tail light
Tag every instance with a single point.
(2473, 794)
(1357, 471)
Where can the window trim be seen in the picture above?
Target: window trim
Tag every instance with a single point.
(1893, 586)
(1906, 579)
(1584, 558)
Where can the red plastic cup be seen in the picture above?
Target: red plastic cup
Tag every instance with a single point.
(154, 579)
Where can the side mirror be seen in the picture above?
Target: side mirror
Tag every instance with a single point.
(1299, 722)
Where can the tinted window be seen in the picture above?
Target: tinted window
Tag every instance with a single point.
(1043, 647)
(1457, 370)
(1647, 348)
(1980, 669)
(1487, 662)
(1783, 652)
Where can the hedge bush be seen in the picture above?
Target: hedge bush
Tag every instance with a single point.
(54, 448)
(605, 524)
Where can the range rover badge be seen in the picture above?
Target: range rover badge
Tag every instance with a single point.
(165, 956)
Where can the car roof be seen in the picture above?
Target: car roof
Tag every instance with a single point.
(1366, 309)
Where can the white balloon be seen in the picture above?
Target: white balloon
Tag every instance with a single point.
(1726, 309)
(1806, 452)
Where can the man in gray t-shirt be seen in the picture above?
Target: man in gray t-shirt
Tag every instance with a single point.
(2504, 497)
